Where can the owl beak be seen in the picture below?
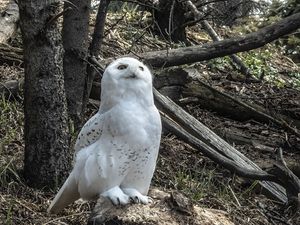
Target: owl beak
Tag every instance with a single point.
(132, 76)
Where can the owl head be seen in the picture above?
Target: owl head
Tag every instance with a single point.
(128, 70)
(124, 79)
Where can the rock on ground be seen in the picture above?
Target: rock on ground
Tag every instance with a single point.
(166, 209)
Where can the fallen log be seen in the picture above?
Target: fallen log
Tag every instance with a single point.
(279, 173)
(192, 54)
(188, 55)
(8, 21)
(204, 134)
(222, 102)
(186, 83)
(215, 37)
(11, 55)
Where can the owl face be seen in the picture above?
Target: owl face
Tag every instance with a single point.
(127, 70)
(126, 80)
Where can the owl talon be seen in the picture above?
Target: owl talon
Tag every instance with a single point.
(135, 199)
(117, 196)
(150, 200)
(136, 196)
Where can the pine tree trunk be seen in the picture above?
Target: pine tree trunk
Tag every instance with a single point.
(47, 156)
(170, 19)
(75, 40)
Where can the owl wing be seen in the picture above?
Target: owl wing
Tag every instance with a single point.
(90, 132)
(88, 135)
(65, 196)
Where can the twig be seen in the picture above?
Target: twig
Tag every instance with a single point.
(55, 17)
(25, 206)
(171, 19)
(234, 196)
(64, 217)
(114, 24)
(96, 43)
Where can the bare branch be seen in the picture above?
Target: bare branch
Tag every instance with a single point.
(95, 46)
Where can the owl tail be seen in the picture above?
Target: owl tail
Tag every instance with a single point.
(66, 195)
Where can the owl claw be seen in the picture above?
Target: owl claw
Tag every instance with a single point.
(135, 199)
(117, 196)
(136, 196)
(150, 200)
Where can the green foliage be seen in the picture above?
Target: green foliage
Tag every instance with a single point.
(11, 120)
(258, 62)
(221, 64)
(292, 46)
(11, 130)
(8, 172)
(284, 8)
(117, 6)
(200, 184)
(9, 215)
(271, 63)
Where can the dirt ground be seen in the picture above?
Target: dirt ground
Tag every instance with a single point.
(180, 167)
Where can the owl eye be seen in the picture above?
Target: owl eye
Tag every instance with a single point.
(141, 68)
(122, 67)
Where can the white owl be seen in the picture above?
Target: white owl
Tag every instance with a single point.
(116, 150)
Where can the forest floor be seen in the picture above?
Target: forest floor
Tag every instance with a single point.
(179, 167)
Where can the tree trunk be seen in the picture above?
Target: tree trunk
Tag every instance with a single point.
(170, 20)
(75, 41)
(95, 46)
(47, 156)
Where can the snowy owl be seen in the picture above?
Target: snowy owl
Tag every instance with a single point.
(116, 150)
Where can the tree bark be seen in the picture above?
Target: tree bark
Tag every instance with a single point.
(169, 18)
(75, 41)
(47, 156)
(95, 47)
(192, 54)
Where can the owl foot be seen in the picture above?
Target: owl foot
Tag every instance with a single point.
(136, 196)
(117, 196)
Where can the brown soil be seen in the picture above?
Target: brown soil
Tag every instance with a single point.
(179, 167)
